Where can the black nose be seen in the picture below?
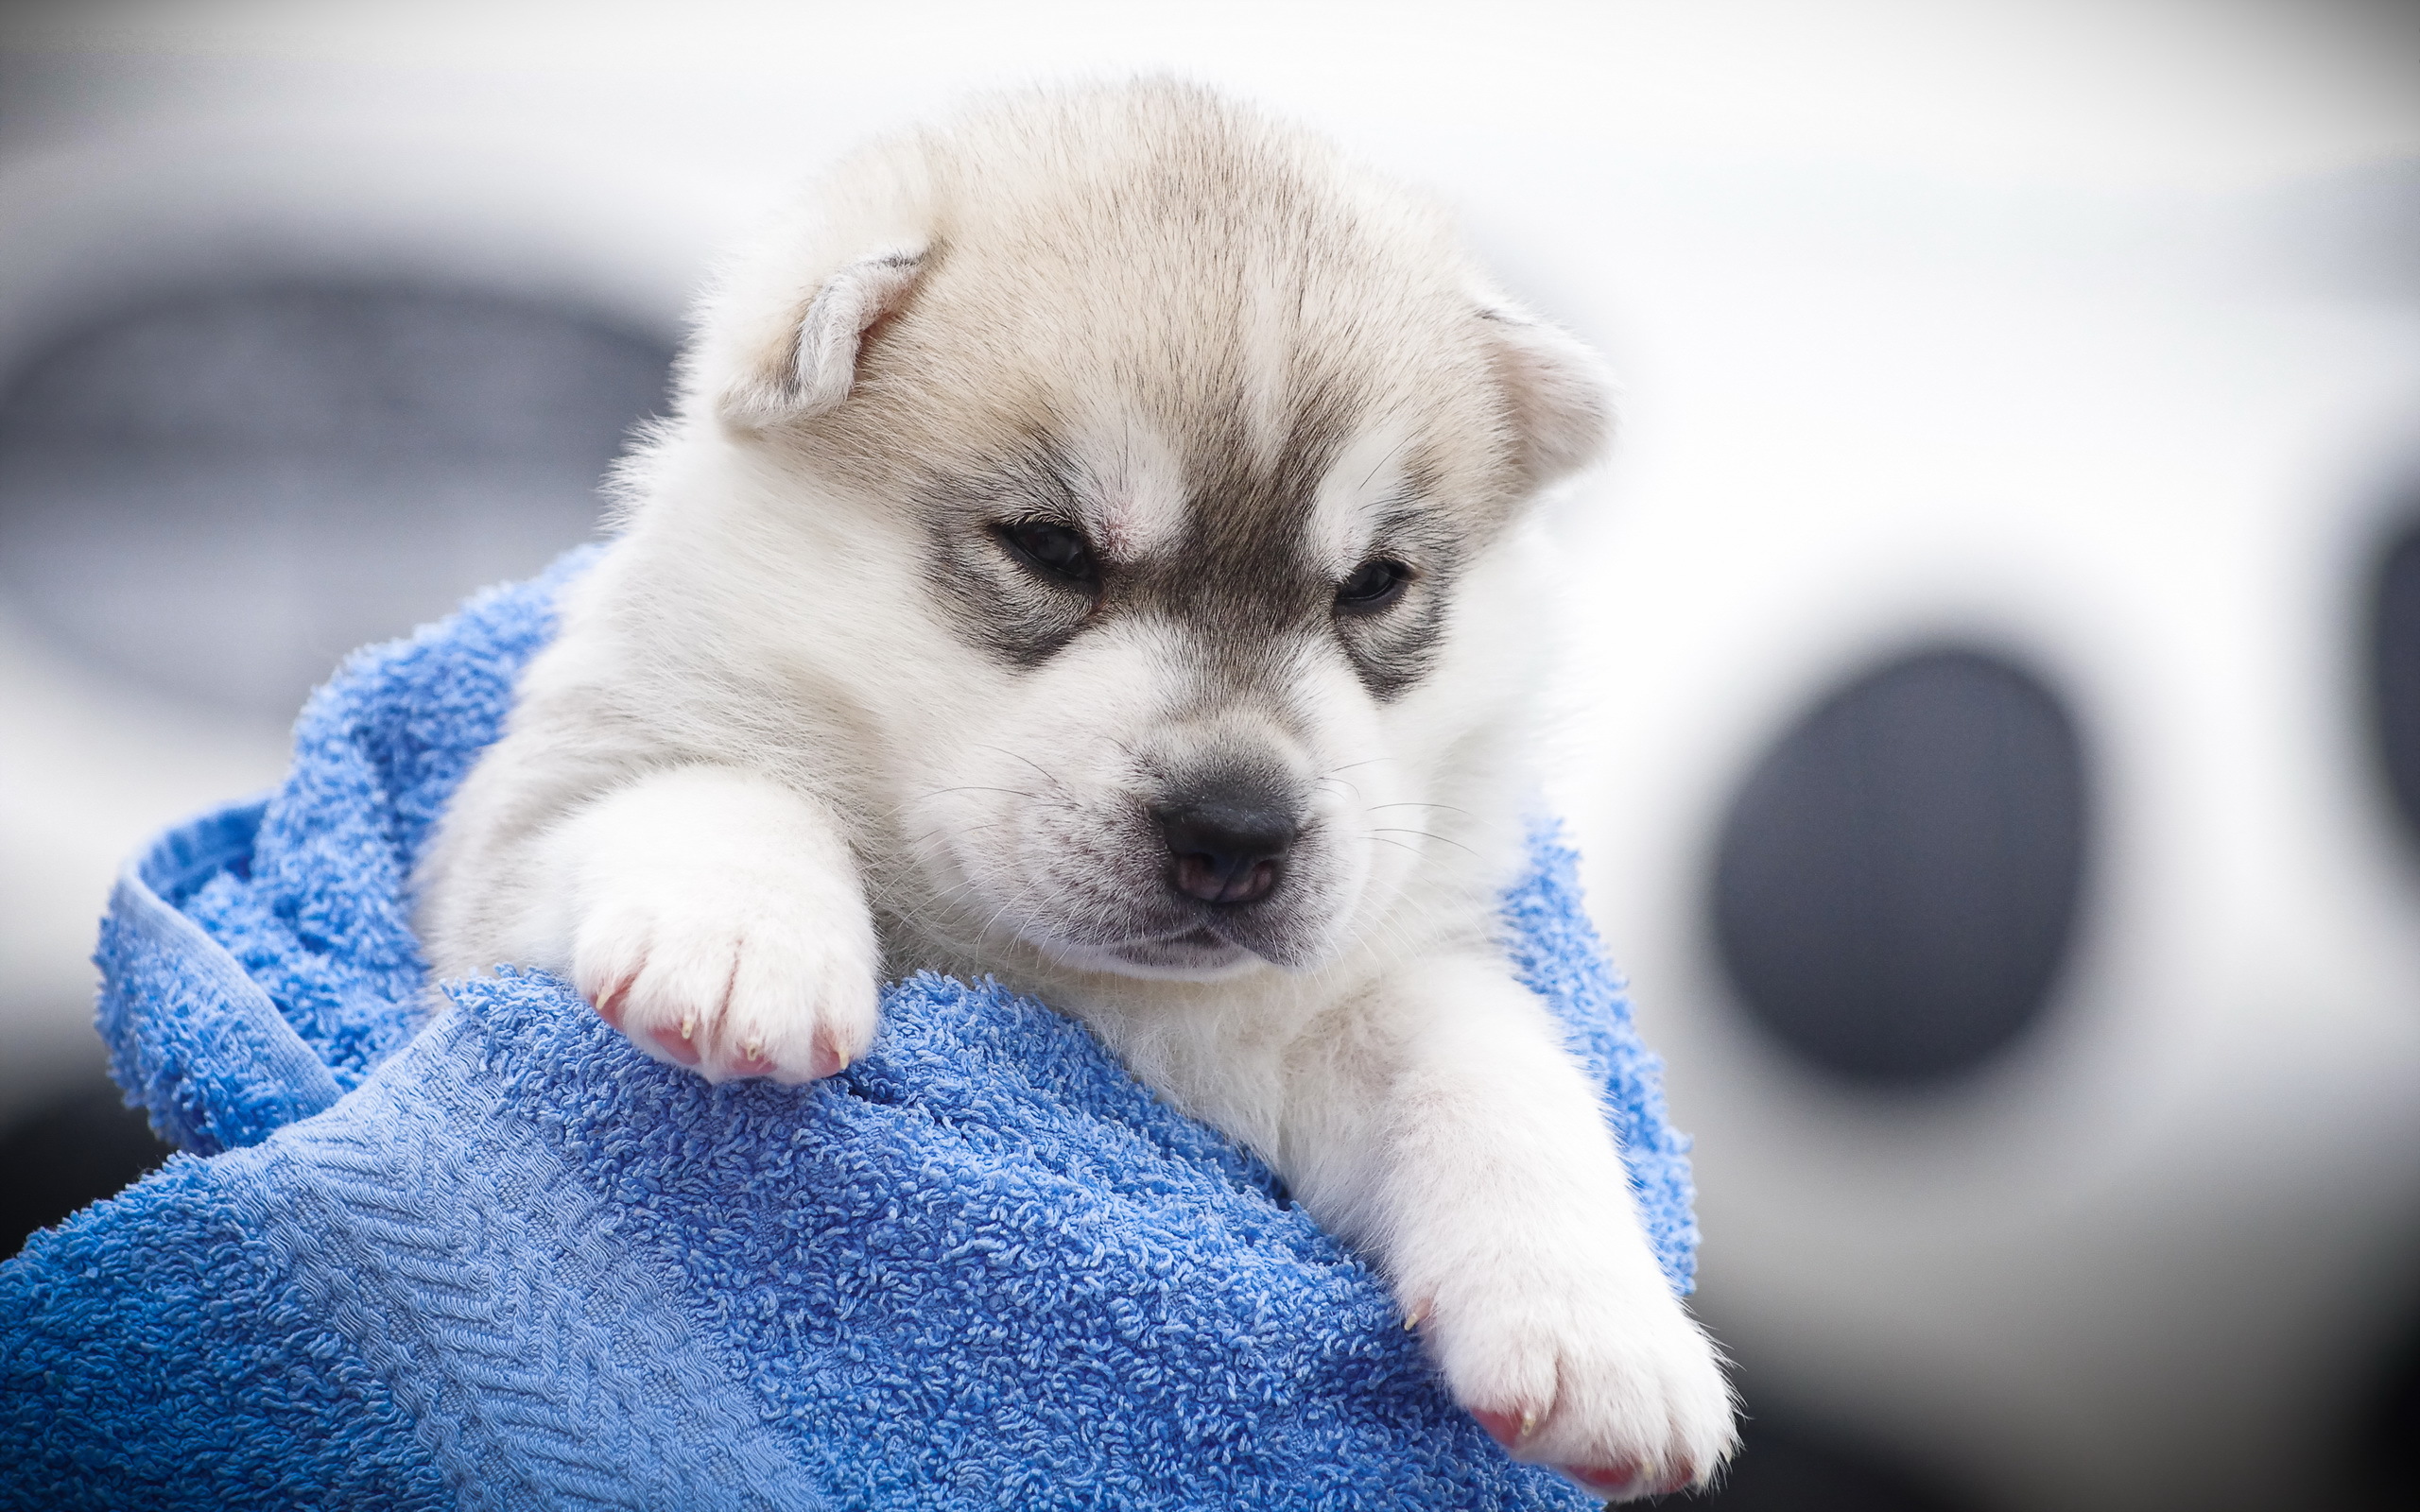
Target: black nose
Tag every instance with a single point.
(1225, 848)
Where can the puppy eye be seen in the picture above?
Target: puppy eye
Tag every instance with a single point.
(1373, 585)
(1055, 551)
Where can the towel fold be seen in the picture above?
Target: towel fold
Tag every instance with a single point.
(498, 1258)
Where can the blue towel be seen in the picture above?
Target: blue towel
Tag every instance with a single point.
(498, 1259)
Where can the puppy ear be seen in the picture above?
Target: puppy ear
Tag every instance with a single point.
(813, 364)
(1561, 394)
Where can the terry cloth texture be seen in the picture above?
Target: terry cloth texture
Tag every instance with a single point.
(498, 1258)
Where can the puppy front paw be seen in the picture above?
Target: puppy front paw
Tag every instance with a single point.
(1602, 1376)
(735, 975)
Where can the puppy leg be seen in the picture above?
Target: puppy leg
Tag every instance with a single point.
(715, 918)
(1483, 1172)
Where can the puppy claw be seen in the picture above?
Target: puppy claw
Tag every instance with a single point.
(608, 1003)
(828, 1060)
(1416, 1315)
(681, 1047)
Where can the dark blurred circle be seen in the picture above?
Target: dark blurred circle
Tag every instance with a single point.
(79, 1147)
(221, 494)
(2386, 1452)
(1897, 884)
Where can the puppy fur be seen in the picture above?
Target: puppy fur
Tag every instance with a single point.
(1097, 471)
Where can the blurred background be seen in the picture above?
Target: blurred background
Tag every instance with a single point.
(1992, 716)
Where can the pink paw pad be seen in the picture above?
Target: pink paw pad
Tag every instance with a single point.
(1501, 1426)
(753, 1063)
(680, 1047)
(1616, 1477)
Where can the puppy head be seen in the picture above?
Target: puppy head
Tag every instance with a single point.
(1204, 441)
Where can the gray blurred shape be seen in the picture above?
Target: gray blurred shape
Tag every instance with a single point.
(2394, 671)
(223, 493)
(1896, 883)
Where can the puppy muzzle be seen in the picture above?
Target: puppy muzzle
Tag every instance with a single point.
(1227, 848)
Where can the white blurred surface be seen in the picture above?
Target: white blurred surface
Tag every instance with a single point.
(2056, 323)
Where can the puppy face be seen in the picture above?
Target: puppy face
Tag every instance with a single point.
(1184, 761)
(1199, 434)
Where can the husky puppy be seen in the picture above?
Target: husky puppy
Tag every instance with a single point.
(1089, 549)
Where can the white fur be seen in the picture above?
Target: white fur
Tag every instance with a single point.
(716, 915)
(784, 740)
(1137, 485)
(1363, 481)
